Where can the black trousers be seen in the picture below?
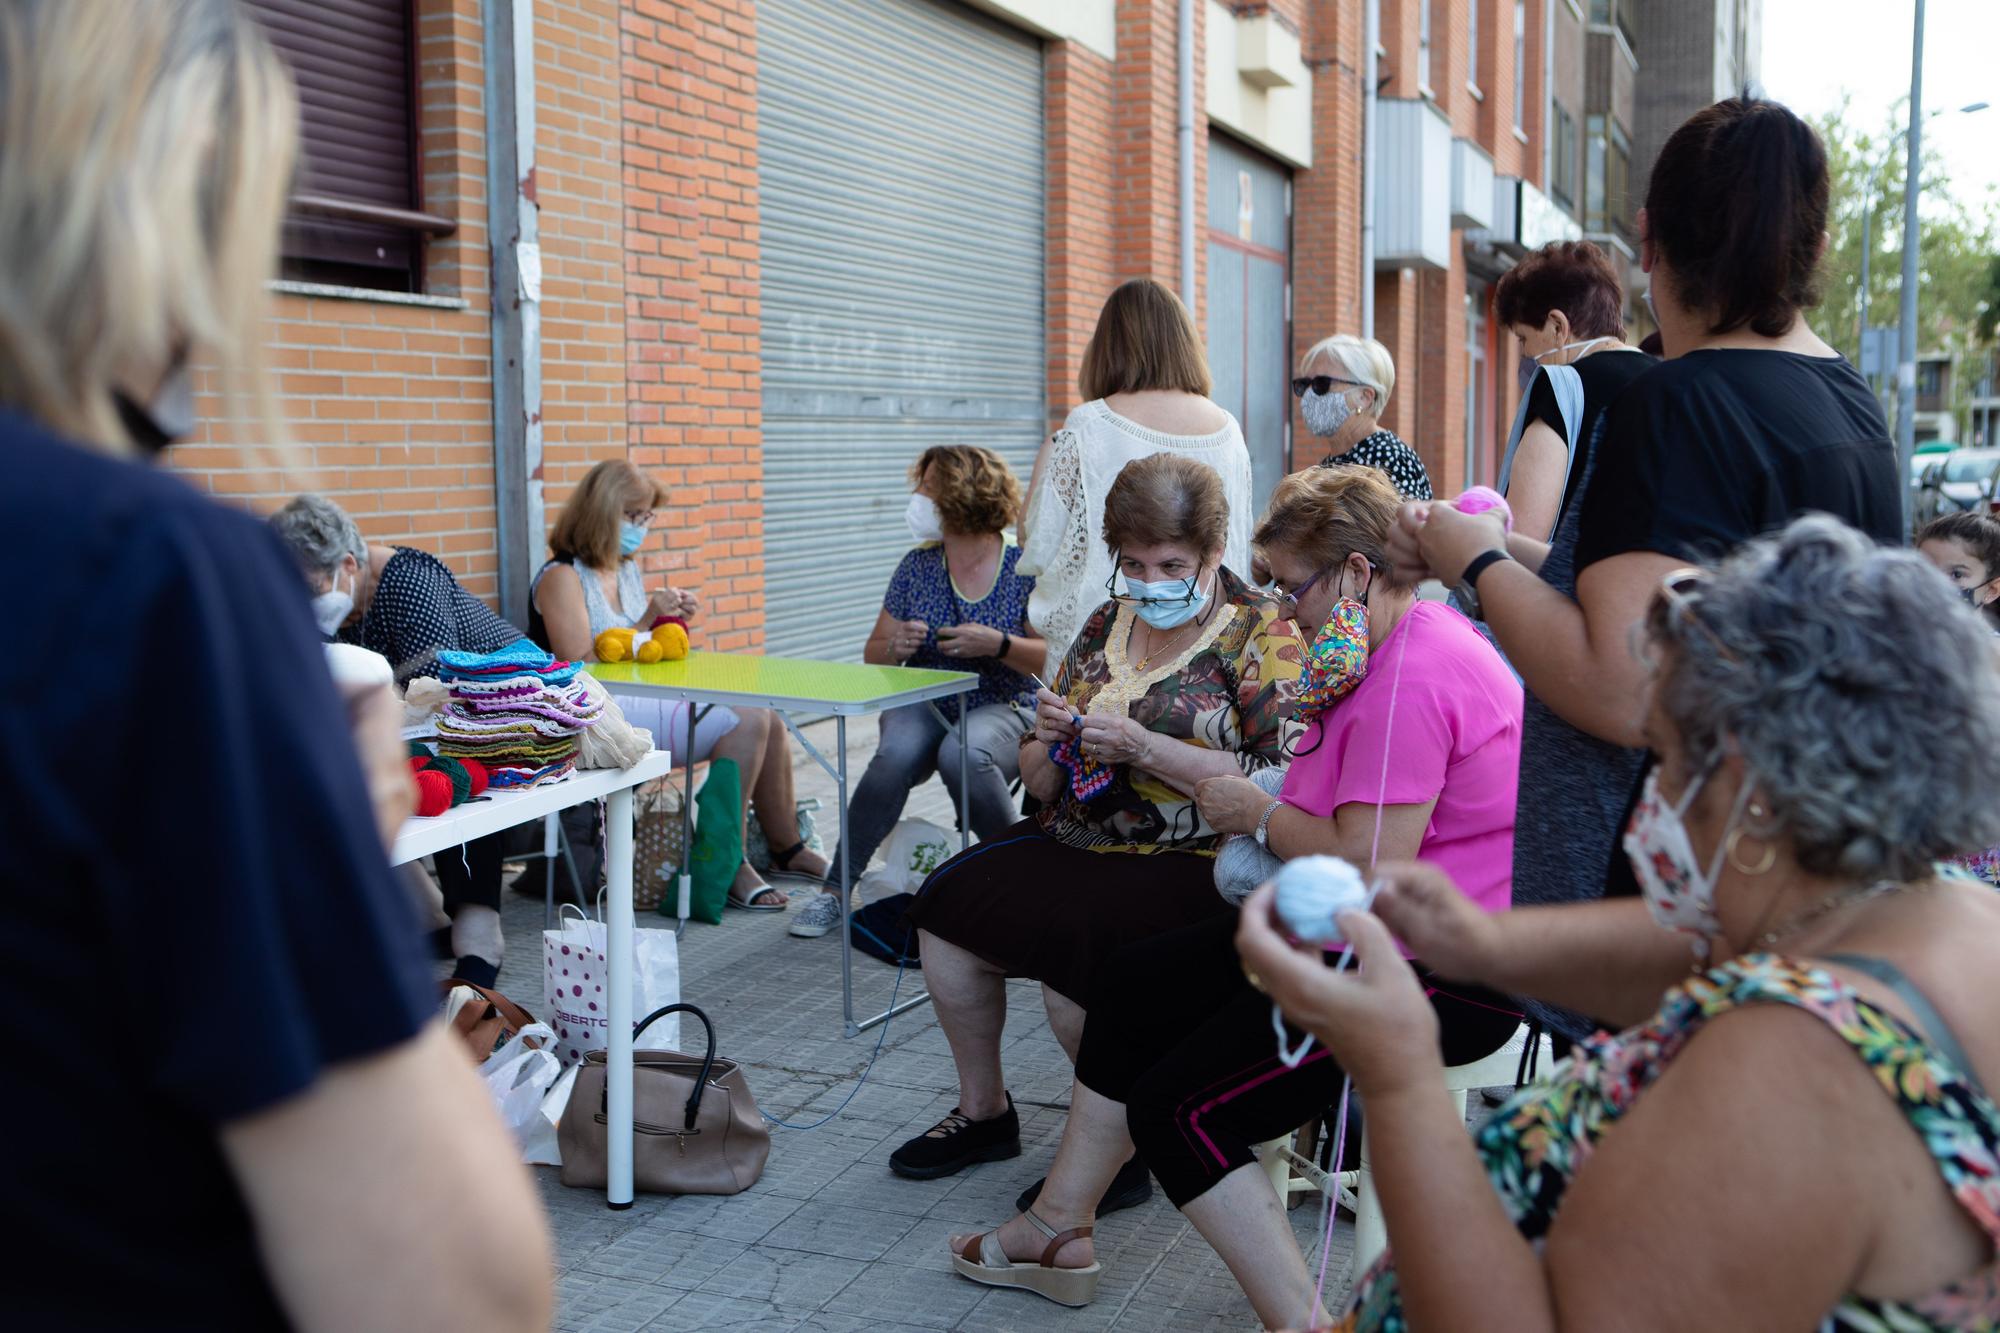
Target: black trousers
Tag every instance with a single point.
(1176, 1033)
(471, 876)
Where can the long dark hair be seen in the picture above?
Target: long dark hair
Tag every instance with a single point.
(1737, 205)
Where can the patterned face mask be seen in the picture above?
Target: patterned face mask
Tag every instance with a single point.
(1336, 661)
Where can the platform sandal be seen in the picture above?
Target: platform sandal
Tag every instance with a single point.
(985, 1261)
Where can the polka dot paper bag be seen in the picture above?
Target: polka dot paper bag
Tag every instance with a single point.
(574, 983)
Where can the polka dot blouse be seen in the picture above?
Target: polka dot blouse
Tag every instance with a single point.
(419, 608)
(1398, 460)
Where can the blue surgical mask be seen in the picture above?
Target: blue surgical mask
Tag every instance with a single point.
(631, 536)
(1169, 603)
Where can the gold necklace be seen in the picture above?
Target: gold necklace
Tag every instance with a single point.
(1152, 657)
(1826, 905)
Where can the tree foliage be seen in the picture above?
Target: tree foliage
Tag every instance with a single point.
(1958, 268)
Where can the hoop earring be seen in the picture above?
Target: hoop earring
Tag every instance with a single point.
(1735, 841)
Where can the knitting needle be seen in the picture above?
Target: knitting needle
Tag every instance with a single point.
(1076, 718)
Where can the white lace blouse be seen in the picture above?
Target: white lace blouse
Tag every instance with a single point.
(1064, 543)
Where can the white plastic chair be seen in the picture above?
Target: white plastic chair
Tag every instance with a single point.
(1281, 1159)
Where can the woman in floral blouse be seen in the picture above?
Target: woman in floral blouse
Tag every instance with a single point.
(1186, 673)
(1797, 1136)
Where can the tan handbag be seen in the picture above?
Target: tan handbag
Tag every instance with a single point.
(482, 1018)
(696, 1126)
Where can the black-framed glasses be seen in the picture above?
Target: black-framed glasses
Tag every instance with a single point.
(643, 517)
(1187, 598)
(1321, 384)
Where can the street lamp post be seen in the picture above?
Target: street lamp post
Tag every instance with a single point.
(1906, 358)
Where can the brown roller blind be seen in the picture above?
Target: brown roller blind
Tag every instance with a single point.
(352, 60)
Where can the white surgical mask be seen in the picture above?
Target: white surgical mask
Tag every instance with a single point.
(1678, 892)
(331, 608)
(1325, 413)
(922, 516)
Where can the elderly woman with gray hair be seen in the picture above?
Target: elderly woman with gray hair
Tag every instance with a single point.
(404, 604)
(1803, 1133)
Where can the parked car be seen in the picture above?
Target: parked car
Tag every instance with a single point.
(1968, 479)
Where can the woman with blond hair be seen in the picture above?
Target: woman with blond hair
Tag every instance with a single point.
(1145, 386)
(289, 1111)
(956, 602)
(592, 583)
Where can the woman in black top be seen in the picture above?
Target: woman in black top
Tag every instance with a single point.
(1563, 305)
(1750, 422)
(280, 1131)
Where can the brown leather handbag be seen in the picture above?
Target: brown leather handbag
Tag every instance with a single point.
(696, 1128)
(482, 1018)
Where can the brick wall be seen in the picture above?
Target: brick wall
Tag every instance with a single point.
(1326, 199)
(1081, 269)
(694, 410)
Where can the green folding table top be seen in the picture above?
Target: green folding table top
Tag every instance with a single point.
(782, 682)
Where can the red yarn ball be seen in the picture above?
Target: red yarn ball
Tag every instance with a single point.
(433, 793)
(418, 762)
(477, 772)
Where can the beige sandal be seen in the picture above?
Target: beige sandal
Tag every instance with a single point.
(983, 1260)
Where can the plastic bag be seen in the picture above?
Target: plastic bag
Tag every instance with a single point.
(575, 974)
(915, 848)
(539, 1147)
(519, 1076)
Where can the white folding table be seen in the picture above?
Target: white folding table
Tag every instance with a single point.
(502, 809)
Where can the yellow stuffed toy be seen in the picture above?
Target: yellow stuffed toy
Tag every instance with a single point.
(667, 643)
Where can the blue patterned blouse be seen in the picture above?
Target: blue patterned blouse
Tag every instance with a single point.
(921, 589)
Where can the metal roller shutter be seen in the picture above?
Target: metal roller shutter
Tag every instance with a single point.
(351, 60)
(900, 167)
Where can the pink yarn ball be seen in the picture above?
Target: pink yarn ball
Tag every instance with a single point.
(1479, 499)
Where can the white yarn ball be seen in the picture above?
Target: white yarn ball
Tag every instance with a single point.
(355, 669)
(1312, 891)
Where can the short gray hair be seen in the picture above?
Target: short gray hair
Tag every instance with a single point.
(1365, 361)
(1863, 696)
(319, 533)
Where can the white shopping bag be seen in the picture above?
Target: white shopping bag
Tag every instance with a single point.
(518, 1077)
(539, 1147)
(914, 849)
(574, 983)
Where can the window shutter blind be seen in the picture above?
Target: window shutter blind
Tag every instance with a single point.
(352, 61)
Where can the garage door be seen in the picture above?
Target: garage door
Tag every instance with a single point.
(1249, 317)
(900, 166)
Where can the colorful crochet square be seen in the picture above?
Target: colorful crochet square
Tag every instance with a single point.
(1087, 778)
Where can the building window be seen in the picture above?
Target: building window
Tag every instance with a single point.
(355, 214)
(1593, 175)
(1472, 43)
(1562, 173)
(1426, 79)
(1607, 172)
(1930, 377)
(1477, 432)
(1615, 13)
(1520, 65)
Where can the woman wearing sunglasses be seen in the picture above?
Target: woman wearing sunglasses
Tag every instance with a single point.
(1342, 387)
(1799, 1133)
(1185, 674)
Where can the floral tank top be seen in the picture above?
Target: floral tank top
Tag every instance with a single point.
(1536, 1142)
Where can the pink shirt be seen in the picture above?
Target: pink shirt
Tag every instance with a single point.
(1456, 736)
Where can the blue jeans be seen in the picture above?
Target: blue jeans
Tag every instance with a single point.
(915, 745)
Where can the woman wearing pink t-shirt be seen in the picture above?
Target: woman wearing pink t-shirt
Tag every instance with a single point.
(1178, 1056)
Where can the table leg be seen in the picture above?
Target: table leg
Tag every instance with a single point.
(685, 904)
(964, 784)
(846, 886)
(618, 983)
(551, 825)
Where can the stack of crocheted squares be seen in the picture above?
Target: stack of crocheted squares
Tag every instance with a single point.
(519, 712)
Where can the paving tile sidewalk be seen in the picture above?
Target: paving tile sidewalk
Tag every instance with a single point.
(829, 1240)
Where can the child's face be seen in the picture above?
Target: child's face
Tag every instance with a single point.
(1963, 568)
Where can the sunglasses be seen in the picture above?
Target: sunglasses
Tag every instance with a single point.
(1680, 595)
(1321, 385)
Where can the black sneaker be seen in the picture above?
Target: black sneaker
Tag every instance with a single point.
(954, 1143)
(1131, 1187)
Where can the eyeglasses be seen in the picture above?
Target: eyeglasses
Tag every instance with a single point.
(1321, 384)
(1127, 599)
(643, 517)
(1290, 600)
(1680, 595)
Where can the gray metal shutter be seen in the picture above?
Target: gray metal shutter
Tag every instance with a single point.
(900, 165)
(1249, 316)
(352, 62)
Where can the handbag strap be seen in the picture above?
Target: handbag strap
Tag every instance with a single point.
(707, 1059)
(512, 1016)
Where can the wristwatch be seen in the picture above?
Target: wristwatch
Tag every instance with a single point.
(1006, 643)
(1264, 824)
(1468, 582)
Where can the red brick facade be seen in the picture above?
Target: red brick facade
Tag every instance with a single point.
(647, 183)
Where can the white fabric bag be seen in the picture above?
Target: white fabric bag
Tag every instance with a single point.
(914, 849)
(518, 1076)
(574, 979)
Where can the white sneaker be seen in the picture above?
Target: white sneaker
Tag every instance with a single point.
(817, 917)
